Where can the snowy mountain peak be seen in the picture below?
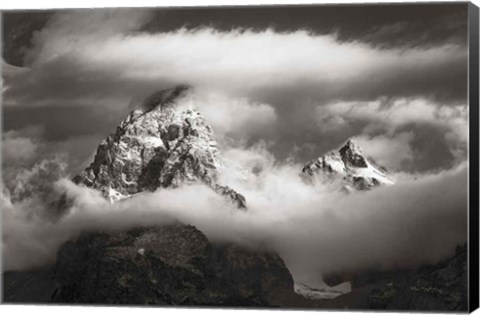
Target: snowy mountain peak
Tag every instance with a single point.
(349, 164)
(165, 144)
(352, 154)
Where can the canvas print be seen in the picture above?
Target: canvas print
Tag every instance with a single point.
(295, 157)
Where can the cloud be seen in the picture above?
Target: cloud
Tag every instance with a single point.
(257, 84)
(235, 117)
(399, 111)
(403, 131)
(231, 117)
(35, 184)
(448, 26)
(315, 230)
(390, 152)
(68, 29)
(21, 146)
(275, 99)
(90, 66)
(27, 149)
(17, 149)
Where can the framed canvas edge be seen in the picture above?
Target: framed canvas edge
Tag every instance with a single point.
(473, 244)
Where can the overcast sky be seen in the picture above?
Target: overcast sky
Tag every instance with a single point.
(304, 79)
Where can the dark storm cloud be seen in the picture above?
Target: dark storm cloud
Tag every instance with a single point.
(383, 25)
(17, 32)
(70, 83)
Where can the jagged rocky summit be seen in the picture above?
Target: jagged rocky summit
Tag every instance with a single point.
(165, 144)
(348, 164)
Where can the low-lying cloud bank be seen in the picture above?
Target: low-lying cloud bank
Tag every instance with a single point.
(417, 221)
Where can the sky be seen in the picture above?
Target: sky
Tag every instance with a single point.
(279, 86)
(305, 68)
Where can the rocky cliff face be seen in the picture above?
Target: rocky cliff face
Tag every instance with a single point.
(349, 165)
(168, 265)
(166, 143)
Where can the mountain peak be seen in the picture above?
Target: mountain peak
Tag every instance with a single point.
(348, 163)
(165, 145)
(352, 154)
(350, 144)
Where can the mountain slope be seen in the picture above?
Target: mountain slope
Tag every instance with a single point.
(347, 169)
(165, 144)
(348, 164)
(166, 265)
(100, 268)
(438, 287)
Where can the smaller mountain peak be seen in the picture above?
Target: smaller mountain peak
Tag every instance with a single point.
(351, 145)
(350, 163)
(350, 142)
(352, 154)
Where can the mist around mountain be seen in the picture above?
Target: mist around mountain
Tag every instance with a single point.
(268, 234)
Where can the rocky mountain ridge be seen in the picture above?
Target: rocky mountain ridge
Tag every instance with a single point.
(165, 144)
(177, 265)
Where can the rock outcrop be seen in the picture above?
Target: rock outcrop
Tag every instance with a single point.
(165, 144)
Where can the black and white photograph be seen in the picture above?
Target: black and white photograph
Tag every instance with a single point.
(310, 156)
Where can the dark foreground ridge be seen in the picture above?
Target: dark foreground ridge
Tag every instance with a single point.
(439, 287)
(177, 265)
(169, 265)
